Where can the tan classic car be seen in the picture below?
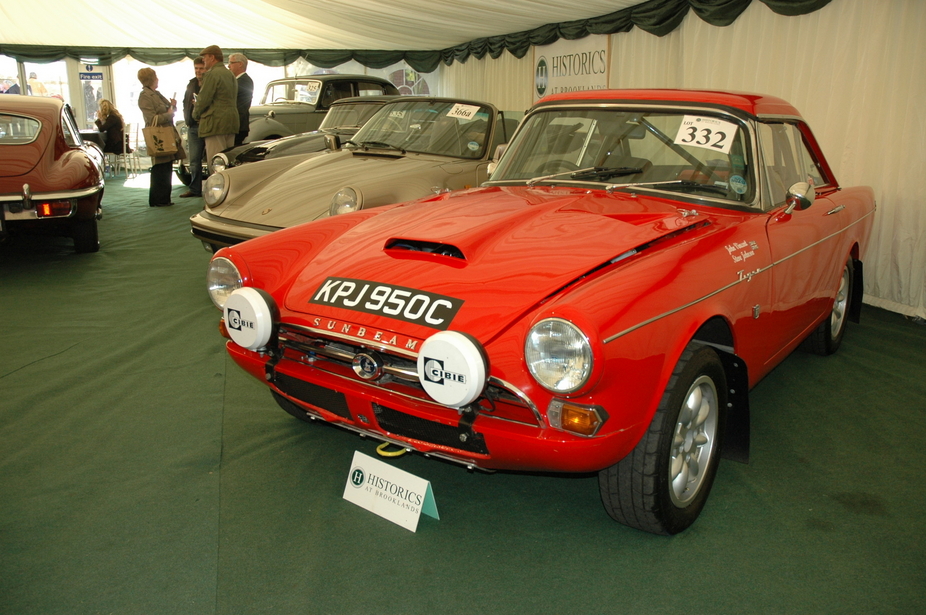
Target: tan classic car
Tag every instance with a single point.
(413, 147)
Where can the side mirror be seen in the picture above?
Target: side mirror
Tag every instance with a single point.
(800, 196)
(332, 142)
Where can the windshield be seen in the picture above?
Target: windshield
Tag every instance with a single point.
(444, 128)
(690, 152)
(349, 115)
(302, 91)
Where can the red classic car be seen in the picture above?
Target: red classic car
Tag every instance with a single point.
(637, 262)
(50, 180)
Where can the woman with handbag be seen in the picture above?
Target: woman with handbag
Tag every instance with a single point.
(161, 137)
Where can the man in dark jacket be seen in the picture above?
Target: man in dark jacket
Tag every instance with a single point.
(238, 65)
(196, 147)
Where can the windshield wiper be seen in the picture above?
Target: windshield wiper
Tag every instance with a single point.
(378, 145)
(601, 173)
(678, 184)
(596, 173)
(543, 178)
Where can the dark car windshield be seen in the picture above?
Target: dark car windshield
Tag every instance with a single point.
(18, 130)
(444, 128)
(693, 152)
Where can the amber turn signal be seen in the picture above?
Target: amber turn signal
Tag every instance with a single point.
(576, 418)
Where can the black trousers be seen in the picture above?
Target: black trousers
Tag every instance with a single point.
(159, 192)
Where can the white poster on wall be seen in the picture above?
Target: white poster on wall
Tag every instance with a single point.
(568, 66)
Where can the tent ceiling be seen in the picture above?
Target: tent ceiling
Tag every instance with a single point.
(283, 24)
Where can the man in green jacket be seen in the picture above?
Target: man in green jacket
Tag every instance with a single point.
(215, 107)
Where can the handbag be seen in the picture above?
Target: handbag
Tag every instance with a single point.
(161, 140)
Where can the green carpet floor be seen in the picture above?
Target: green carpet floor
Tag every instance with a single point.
(142, 472)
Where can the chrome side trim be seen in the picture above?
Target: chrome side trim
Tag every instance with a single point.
(744, 277)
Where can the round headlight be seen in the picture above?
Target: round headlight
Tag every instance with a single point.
(345, 201)
(215, 189)
(558, 355)
(222, 279)
(219, 163)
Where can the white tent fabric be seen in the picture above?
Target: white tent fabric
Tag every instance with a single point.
(853, 69)
(283, 24)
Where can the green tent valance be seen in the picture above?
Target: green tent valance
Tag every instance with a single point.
(658, 17)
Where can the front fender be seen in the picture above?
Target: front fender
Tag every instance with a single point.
(266, 128)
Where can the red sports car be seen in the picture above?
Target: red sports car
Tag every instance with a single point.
(637, 262)
(50, 180)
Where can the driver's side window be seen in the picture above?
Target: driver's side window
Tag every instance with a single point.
(788, 160)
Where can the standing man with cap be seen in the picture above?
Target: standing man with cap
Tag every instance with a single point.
(215, 107)
(238, 65)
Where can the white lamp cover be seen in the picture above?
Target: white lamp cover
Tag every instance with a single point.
(249, 317)
(452, 368)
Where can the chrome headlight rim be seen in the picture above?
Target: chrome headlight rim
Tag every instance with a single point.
(346, 200)
(215, 189)
(559, 355)
(222, 279)
(219, 162)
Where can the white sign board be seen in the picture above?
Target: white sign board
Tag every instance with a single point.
(570, 66)
(391, 493)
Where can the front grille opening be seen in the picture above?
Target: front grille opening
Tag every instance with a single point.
(402, 424)
(400, 374)
(321, 397)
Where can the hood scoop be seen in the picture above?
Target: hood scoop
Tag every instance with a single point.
(398, 247)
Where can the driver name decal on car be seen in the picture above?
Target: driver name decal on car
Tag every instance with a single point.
(407, 304)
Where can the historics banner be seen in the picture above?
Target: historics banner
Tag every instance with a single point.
(567, 66)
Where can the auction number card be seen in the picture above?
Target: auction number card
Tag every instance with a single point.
(707, 132)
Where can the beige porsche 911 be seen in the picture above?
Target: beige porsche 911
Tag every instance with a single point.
(413, 147)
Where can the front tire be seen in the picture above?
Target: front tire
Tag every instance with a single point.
(827, 337)
(663, 484)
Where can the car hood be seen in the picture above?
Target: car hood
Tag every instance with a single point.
(516, 246)
(303, 192)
